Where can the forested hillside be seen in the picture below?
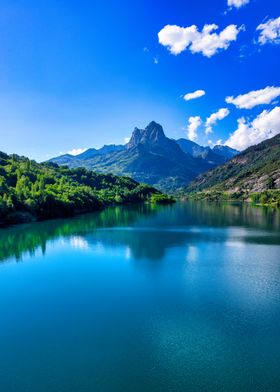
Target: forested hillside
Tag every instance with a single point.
(33, 191)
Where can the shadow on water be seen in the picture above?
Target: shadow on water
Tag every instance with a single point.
(149, 230)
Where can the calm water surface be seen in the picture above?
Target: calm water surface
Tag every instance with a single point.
(177, 298)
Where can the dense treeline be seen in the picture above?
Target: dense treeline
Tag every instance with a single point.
(33, 191)
(270, 197)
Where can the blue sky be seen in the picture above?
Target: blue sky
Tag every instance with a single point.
(78, 74)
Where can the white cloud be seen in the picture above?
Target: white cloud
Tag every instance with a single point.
(212, 120)
(254, 98)
(264, 126)
(237, 3)
(156, 60)
(177, 39)
(194, 95)
(77, 151)
(219, 142)
(126, 139)
(269, 32)
(194, 124)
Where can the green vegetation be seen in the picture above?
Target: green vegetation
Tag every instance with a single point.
(269, 197)
(208, 196)
(162, 199)
(33, 191)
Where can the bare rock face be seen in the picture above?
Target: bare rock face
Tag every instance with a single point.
(150, 136)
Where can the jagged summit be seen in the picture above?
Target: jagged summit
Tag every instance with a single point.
(152, 134)
(225, 151)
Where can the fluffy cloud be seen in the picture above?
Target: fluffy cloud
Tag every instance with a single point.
(264, 126)
(269, 32)
(254, 98)
(194, 95)
(77, 151)
(212, 120)
(194, 124)
(208, 42)
(237, 3)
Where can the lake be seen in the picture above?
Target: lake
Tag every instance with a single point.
(183, 297)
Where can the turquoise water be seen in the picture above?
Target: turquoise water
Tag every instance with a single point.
(176, 298)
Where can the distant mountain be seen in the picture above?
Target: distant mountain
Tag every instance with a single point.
(225, 151)
(107, 149)
(190, 147)
(66, 159)
(254, 170)
(149, 157)
(90, 153)
(197, 151)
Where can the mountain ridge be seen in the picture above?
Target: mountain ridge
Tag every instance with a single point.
(256, 169)
(149, 156)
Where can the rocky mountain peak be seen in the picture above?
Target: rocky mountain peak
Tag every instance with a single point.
(152, 134)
